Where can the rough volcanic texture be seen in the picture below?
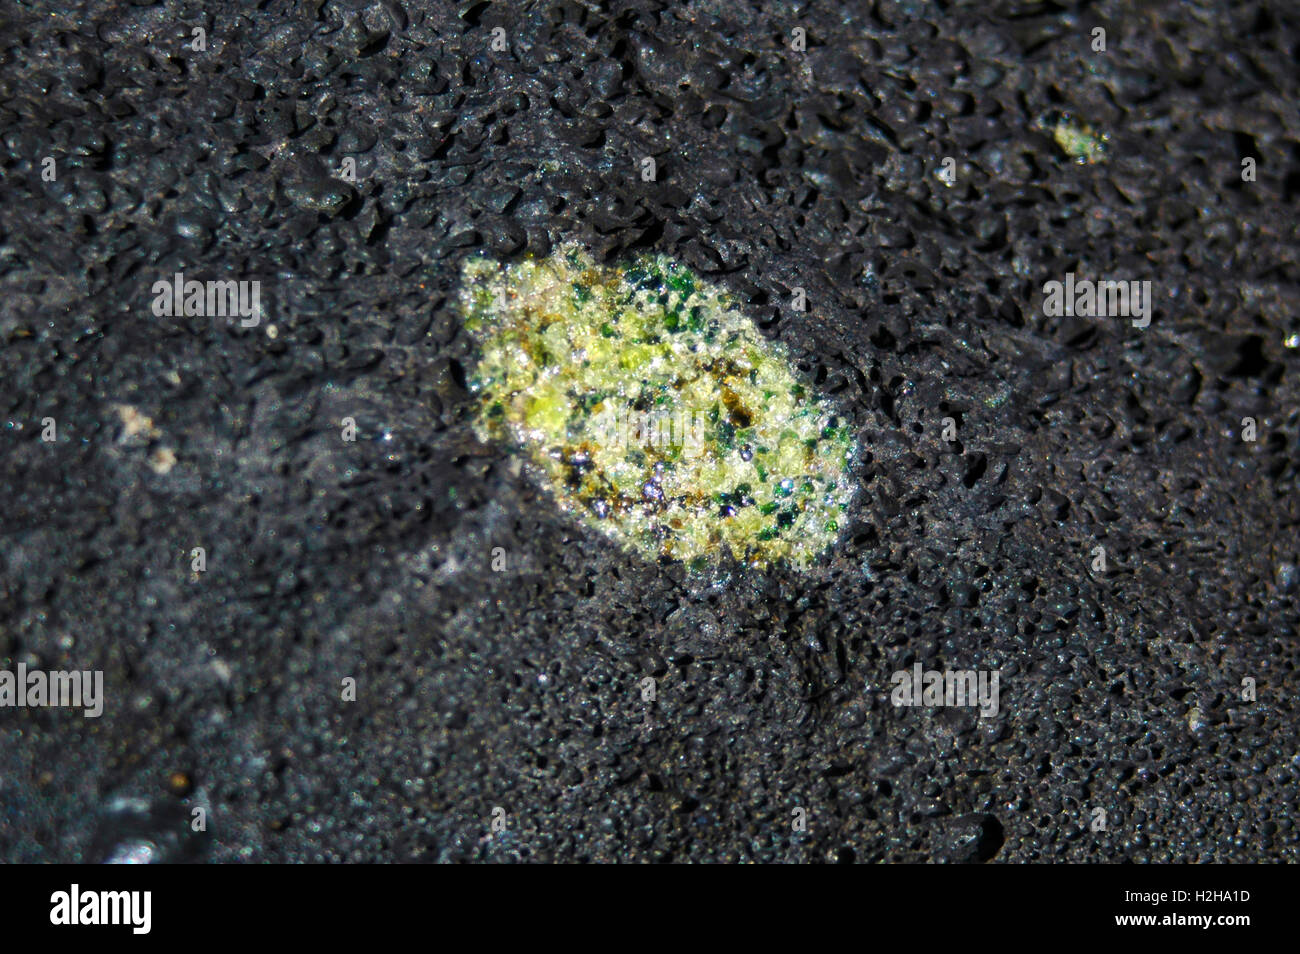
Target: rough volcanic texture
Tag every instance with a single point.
(522, 688)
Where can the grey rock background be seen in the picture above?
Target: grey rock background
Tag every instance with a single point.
(521, 689)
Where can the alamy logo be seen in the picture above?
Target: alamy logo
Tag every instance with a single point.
(102, 907)
(1104, 299)
(213, 299)
(657, 430)
(36, 687)
(951, 687)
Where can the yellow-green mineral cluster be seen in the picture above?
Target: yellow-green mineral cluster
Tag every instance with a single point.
(1079, 141)
(654, 409)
